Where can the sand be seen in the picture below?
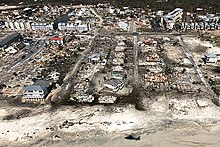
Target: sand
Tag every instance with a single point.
(186, 124)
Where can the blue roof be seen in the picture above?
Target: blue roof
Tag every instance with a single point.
(35, 87)
(211, 56)
(95, 55)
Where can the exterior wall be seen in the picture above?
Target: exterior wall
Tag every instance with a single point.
(94, 59)
(113, 88)
(199, 26)
(36, 100)
(34, 94)
(22, 25)
(27, 25)
(17, 26)
(11, 25)
(72, 27)
(211, 60)
(115, 76)
(6, 24)
(41, 26)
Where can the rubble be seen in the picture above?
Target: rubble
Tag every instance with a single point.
(107, 99)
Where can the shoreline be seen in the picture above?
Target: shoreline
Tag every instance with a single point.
(103, 126)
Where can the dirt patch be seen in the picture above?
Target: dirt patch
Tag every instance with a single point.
(20, 114)
(199, 49)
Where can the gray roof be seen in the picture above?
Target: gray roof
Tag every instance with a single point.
(9, 39)
(113, 82)
(43, 83)
(35, 87)
(95, 55)
(211, 56)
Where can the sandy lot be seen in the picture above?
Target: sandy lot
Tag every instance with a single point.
(189, 122)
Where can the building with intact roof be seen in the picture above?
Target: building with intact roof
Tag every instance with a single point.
(73, 27)
(41, 26)
(94, 58)
(211, 58)
(171, 17)
(58, 40)
(37, 92)
(9, 38)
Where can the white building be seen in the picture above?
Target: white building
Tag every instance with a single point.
(42, 26)
(17, 25)
(27, 25)
(11, 50)
(123, 25)
(6, 24)
(54, 76)
(11, 25)
(171, 17)
(211, 58)
(96, 57)
(22, 25)
(73, 27)
(209, 18)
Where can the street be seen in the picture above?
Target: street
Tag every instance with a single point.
(195, 65)
(69, 78)
(135, 52)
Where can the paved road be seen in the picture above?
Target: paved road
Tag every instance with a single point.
(193, 62)
(135, 52)
(33, 51)
(76, 67)
(68, 80)
(100, 18)
(135, 59)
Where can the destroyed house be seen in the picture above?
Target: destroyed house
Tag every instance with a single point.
(114, 84)
(117, 75)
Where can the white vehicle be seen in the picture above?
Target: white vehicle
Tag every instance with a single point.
(104, 61)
